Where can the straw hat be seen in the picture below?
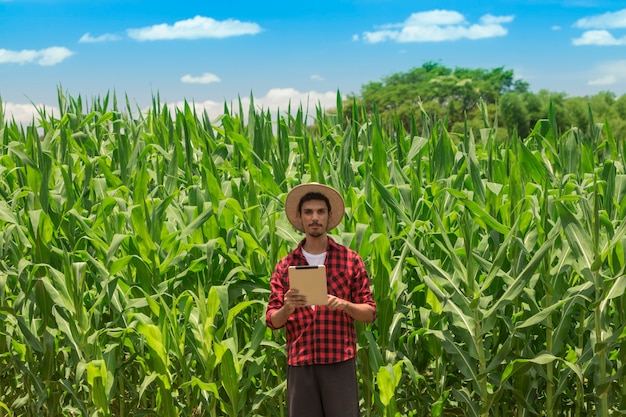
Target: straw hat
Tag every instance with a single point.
(337, 206)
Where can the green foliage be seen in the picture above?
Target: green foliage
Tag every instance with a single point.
(137, 249)
(439, 90)
(456, 95)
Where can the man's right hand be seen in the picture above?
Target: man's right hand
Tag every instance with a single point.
(293, 299)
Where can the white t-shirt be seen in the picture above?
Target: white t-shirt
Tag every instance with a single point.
(314, 259)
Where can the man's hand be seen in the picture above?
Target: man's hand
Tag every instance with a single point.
(336, 303)
(359, 312)
(293, 299)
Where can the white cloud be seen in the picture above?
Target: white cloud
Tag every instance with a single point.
(435, 18)
(275, 99)
(197, 28)
(606, 80)
(490, 19)
(598, 37)
(609, 73)
(212, 108)
(439, 25)
(280, 98)
(609, 20)
(206, 78)
(24, 114)
(380, 36)
(317, 77)
(107, 37)
(44, 57)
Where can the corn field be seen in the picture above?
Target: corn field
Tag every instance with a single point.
(136, 250)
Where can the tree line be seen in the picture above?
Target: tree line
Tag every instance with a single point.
(455, 95)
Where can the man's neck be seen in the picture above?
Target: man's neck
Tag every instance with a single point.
(315, 245)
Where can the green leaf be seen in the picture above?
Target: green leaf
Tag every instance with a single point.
(579, 240)
(387, 383)
(541, 316)
(617, 289)
(519, 365)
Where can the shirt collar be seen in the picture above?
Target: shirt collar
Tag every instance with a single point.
(332, 245)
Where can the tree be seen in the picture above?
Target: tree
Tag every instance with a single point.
(620, 107)
(513, 111)
(454, 95)
(535, 108)
(578, 109)
(459, 90)
(602, 102)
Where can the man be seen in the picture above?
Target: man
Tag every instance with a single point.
(321, 340)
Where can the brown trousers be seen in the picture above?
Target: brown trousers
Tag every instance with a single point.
(323, 390)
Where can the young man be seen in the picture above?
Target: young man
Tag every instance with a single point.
(321, 340)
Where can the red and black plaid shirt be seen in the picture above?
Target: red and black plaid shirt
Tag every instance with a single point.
(322, 335)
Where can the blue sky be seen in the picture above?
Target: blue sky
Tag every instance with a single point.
(212, 52)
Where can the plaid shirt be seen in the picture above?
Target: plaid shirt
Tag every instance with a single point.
(322, 335)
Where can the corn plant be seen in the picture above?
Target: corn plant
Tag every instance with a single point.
(137, 249)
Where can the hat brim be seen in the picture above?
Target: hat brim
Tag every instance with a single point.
(337, 205)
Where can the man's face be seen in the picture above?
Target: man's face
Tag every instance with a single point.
(314, 217)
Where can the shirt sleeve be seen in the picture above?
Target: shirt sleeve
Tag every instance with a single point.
(278, 288)
(362, 292)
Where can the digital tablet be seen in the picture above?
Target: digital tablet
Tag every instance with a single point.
(310, 281)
